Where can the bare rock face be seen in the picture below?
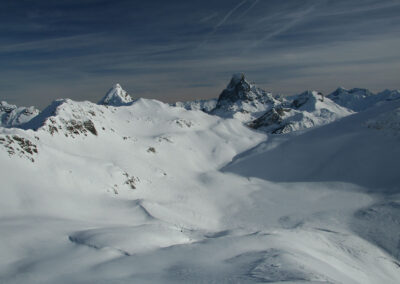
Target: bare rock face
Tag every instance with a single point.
(19, 146)
(273, 121)
(239, 89)
(243, 100)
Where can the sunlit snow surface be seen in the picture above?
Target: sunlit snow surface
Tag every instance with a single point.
(150, 193)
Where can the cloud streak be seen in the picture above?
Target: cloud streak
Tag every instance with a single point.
(223, 21)
(284, 46)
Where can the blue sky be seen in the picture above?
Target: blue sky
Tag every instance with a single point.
(181, 50)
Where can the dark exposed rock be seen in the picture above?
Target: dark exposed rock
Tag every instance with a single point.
(305, 97)
(239, 89)
(16, 145)
(151, 150)
(273, 117)
(88, 124)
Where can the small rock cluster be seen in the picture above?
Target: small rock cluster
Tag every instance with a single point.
(16, 145)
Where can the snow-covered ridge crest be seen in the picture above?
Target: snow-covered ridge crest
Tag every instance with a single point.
(359, 99)
(116, 96)
(299, 112)
(13, 116)
(203, 105)
(65, 116)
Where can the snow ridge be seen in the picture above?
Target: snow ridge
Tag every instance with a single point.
(358, 99)
(13, 116)
(303, 111)
(203, 105)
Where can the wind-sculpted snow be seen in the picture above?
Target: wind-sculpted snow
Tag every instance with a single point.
(94, 193)
(354, 149)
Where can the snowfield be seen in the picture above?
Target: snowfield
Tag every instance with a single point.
(138, 191)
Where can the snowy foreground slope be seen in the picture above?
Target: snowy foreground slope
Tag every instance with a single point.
(151, 193)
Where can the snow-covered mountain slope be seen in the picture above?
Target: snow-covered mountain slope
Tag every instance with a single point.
(243, 100)
(134, 194)
(361, 99)
(362, 149)
(203, 105)
(307, 110)
(13, 116)
(116, 96)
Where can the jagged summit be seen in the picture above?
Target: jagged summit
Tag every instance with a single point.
(240, 89)
(243, 100)
(299, 112)
(116, 96)
(13, 116)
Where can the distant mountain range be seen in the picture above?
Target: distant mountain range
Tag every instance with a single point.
(248, 103)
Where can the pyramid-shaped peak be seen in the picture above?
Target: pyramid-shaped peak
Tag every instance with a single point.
(116, 96)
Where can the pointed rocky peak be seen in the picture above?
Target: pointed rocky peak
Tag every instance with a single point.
(116, 96)
(240, 89)
(243, 99)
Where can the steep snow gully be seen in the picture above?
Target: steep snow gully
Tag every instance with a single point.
(246, 188)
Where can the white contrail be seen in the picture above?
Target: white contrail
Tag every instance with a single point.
(220, 23)
(248, 9)
(295, 20)
(227, 16)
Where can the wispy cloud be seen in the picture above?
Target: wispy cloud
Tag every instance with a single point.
(248, 9)
(229, 14)
(223, 21)
(295, 18)
(66, 42)
(284, 46)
